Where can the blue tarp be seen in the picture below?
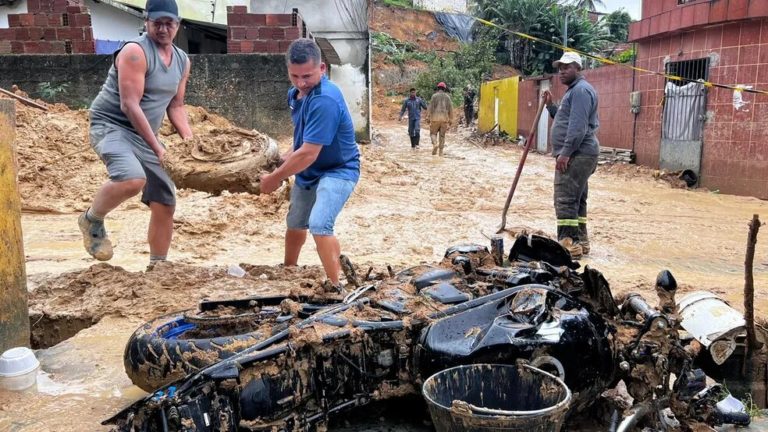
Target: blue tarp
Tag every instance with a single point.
(107, 46)
(456, 25)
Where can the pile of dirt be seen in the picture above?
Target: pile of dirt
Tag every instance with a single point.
(57, 170)
(105, 290)
(415, 26)
(630, 171)
(59, 173)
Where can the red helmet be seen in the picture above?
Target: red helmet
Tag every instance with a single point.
(441, 85)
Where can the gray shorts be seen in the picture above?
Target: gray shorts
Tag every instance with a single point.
(127, 157)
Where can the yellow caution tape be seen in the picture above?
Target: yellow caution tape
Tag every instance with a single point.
(707, 84)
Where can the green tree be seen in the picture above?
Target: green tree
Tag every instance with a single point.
(466, 66)
(543, 19)
(617, 24)
(590, 5)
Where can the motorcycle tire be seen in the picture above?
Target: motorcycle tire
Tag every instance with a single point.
(169, 347)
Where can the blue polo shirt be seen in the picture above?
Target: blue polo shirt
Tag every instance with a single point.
(322, 118)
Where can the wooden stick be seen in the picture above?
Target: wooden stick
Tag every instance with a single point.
(24, 100)
(749, 285)
(528, 145)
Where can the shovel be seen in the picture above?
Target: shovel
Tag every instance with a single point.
(528, 144)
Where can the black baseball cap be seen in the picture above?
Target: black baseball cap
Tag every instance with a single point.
(162, 9)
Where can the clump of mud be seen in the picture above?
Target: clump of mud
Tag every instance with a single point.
(226, 159)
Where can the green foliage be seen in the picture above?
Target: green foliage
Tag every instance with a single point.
(617, 24)
(50, 91)
(399, 3)
(589, 5)
(545, 20)
(396, 51)
(625, 56)
(469, 65)
(751, 407)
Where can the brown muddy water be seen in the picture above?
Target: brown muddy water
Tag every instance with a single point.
(408, 208)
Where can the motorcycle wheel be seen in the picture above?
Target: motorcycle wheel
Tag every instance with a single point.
(172, 346)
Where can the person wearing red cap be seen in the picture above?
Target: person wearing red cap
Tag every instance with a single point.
(440, 115)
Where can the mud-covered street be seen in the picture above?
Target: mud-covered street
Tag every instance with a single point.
(408, 208)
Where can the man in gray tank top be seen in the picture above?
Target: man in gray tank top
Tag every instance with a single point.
(125, 119)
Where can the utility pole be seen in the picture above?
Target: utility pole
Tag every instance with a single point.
(14, 313)
(565, 30)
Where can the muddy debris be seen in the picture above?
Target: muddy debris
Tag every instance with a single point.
(58, 172)
(223, 159)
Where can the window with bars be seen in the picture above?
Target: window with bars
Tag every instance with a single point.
(689, 70)
(685, 101)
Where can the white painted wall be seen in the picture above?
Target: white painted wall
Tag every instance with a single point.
(199, 10)
(326, 19)
(113, 24)
(454, 6)
(17, 8)
(353, 86)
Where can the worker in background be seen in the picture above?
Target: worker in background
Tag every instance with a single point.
(414, 105)
(440, 116)
(469, 104)
(576, 148)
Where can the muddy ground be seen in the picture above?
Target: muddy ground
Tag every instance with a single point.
(408, 208)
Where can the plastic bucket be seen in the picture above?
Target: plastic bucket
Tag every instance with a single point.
(491, 397)
(18, 369)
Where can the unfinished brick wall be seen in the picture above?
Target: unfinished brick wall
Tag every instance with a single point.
(262, 33)
(49, 27)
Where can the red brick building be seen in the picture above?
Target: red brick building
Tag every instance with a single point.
(721, 41)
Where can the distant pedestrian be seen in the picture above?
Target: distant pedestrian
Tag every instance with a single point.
(440, 116)
(575, 147)
(469, 104)
(414, 105)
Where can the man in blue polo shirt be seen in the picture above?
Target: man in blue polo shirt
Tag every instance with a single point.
(324, 158)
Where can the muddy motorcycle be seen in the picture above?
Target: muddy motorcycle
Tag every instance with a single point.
(290, 364)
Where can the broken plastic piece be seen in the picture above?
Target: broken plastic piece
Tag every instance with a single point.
(712, 322)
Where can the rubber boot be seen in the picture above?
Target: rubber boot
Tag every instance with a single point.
(434, 144)
(416, 140)
(584, 238)
(568, 237)
(413, 142)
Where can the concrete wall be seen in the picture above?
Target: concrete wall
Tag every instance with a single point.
(454, 6)
(613, 85)
(19, 7)
(348, 35)
(249, 89)
(734, 153)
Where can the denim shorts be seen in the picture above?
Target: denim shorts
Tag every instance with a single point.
(127, 157)
(316, 207)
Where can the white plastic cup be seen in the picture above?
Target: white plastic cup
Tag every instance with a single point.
(236, 271)
(18, 369)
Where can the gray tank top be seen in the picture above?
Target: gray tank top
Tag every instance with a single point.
(161, 83)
